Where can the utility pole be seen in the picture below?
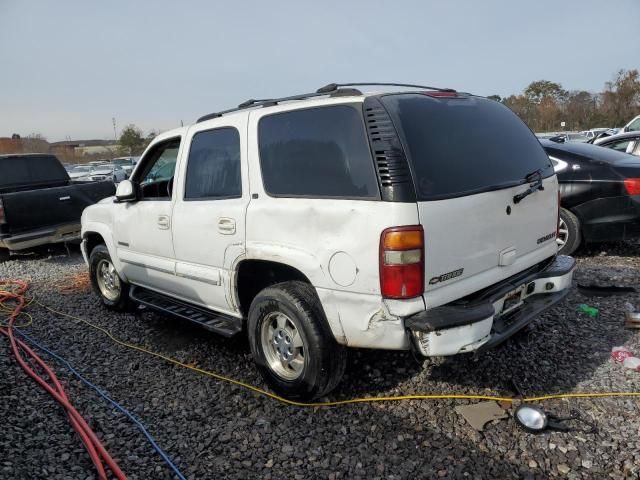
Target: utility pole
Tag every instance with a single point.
(115, 135)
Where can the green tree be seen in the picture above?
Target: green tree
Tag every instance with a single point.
(537, 91)
(621, 97)
(132, 141)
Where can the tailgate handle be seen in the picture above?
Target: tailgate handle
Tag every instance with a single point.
(507, 256)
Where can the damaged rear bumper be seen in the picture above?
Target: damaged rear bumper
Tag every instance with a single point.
(490, 317)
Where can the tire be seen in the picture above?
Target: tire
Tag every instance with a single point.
(290, 314)
(4, 254)
(569, 236)
(114, 298)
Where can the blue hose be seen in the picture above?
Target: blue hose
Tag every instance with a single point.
(104, 395)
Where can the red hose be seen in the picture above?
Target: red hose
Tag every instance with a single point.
(94, 447)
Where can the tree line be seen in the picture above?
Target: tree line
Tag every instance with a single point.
(544, 104)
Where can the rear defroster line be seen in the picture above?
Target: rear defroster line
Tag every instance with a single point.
(335, 403)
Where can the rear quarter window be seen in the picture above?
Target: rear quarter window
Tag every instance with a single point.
(461, 146)
(318, 152)
(31, 169)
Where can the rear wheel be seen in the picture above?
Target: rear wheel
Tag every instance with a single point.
(569, 237)
(292, 343)
(112, 290)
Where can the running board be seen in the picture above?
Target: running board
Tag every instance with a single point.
(225, 325)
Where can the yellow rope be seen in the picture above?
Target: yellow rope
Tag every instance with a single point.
(337, 402)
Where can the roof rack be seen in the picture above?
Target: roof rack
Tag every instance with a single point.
(334, 86)
(332, 89)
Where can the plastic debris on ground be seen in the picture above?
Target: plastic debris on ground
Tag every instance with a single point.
(626, 358)
(479, 414)
(591, 311)
(604, 290)
(631, 316)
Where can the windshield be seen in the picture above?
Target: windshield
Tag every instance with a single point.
(464, 145)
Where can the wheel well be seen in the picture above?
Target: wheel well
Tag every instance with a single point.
(256, 275)
(92, 241)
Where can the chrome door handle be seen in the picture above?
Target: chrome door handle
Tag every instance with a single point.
(226, 226)
(164, 222)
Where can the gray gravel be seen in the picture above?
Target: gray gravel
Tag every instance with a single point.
(215, 430)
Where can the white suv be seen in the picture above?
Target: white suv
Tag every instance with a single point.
(338, 219)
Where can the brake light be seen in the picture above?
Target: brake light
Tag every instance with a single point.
(3, 218)
(446, 93)
(402, 262)
(632, 185)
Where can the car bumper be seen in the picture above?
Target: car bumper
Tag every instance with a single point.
(34, 238)
(610, 219)
(492, 317)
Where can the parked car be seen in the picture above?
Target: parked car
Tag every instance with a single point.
(126, 163)
(593, 133)
(600, 191)
(567, 137)
(338, 219)
(106, 172)
(633, 125)
(38, 202)
(623, 142)
(79, 171)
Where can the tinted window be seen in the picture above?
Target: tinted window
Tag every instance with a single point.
(213, 169)
(460, 146)
(619, 145)
(31, 169)
(317, 152)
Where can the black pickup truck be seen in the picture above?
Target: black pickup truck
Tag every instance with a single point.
(39, 204)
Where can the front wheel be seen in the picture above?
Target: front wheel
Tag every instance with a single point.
(569, 237)
(292, 343)
(112, 290)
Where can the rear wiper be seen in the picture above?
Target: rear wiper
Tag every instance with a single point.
(536, 178)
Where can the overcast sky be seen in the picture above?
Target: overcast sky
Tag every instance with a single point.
(67, 67)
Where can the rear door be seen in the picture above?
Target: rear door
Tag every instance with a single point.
(469, 157)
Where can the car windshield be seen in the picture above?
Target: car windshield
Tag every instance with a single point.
(464, 145)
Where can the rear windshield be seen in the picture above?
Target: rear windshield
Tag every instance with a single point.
(31, 169)
(464, 145)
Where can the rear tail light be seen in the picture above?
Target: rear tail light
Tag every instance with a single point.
(402, 262)
(3, 218)
(632, 185)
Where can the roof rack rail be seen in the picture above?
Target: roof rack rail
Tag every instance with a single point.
(334, 86)
(332, 89)
(268, 102)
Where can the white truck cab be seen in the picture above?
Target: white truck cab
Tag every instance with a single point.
(338, 219)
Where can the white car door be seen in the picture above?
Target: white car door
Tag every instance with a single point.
(142, 228)
(209, 213)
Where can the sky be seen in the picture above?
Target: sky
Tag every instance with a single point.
(68, 67)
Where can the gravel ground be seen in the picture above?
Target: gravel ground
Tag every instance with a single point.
(215, 430)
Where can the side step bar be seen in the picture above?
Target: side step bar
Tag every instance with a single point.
(216, 322)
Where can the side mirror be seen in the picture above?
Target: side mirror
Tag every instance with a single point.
(625, 129)
(125, 191)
